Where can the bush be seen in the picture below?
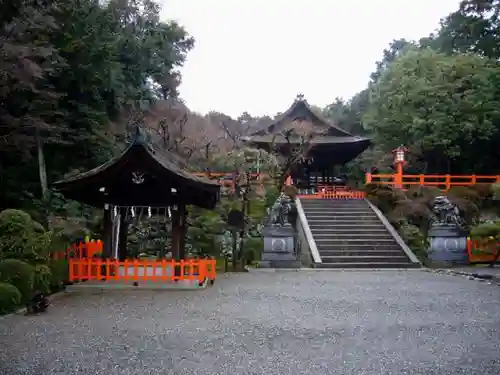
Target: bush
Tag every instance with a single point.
(495, 188)
(59, 274)
(10, 298)
(424, 194)
(415, 213)
(415, 240)
(21, 237)
(485, 231)
(20, 274)
(386, 198)
(468, 209)
(462, 192)
(484, 191)
(371, 188)
(42, 278)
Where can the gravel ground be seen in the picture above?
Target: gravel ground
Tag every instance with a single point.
(385, 322)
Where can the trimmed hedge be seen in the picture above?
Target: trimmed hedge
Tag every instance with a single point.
(20, 274)
(10, 298)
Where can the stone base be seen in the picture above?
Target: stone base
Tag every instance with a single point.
(279, 264)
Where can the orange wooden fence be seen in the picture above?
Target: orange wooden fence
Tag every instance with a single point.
(481, 251)
(444, 182)
(142, 270)
(82, 250)
(334, 192)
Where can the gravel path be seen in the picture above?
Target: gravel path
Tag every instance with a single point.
(386, 322)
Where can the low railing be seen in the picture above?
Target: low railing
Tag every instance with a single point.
(481, 251)
(444, 182)
(142, 270)
(332, 192)
(81, 250)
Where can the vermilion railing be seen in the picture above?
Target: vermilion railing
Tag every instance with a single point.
(444, 182)
(481, 251)
(82, 250)
(142, 270)
(333, 192)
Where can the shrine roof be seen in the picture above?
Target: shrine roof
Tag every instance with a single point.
(301, 110)
(140, 155)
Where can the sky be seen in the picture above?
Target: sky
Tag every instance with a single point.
(257, 55)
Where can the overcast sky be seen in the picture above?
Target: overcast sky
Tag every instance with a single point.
(257, 55)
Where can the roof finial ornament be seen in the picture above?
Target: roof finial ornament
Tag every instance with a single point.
(300, 96)
(139, 136)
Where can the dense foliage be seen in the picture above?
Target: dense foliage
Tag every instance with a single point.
(77, 76)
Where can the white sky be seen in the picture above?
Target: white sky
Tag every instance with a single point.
(257, 55)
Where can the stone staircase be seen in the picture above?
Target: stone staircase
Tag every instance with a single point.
(349, 234)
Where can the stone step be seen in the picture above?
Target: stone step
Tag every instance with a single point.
(348, 236)
(333, 202)
(353, 231)
(356, 246)
(342, 218)
(364, 259)
(374, 265)
(360, 252)
(328, 211)
(347, 226)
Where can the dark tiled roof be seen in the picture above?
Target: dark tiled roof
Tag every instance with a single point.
(301, 109)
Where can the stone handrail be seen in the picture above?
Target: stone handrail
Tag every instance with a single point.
(307, 231)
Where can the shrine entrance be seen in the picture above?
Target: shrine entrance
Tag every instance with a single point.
(143, 181)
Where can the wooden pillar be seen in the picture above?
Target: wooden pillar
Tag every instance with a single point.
(107, 235)
(122, 236)
(176, 235)
(182, 231)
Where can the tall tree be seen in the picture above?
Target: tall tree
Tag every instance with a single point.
(473, 28)
(442, 106)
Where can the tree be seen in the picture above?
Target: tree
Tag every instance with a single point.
(442, 106)
(473, 28)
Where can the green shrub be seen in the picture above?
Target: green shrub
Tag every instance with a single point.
(415, 213)
(21, 237)
(42, 278)
(59, 274)
(495, 188)
(468, 209)
(20, 274)
(370, 188)
(386, 198)
(415, 239)
(485, 231)
(423, 194)
(484, 191)
(10, 298)
(462, 192)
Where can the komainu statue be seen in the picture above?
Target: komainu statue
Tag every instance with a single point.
(446, 213)
(280, 212)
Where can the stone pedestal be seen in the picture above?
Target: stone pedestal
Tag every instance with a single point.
(447, 245)
(279, 248)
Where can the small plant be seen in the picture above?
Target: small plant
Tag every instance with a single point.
(496, 191)
(462, 192)
(415, 239)
(484, 191)
(486, 231)
(22, 238)
(42, 278)
(10, 298)
(20, 274)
